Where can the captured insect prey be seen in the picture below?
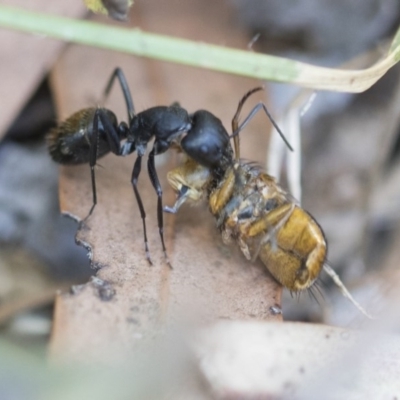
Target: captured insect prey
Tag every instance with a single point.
(251, 208)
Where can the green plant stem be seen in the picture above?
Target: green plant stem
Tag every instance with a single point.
(197, 54)
(150, 45)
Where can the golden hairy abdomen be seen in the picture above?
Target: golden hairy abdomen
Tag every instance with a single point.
(284, 236)
(299, 252)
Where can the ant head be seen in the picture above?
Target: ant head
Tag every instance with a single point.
(208, 141)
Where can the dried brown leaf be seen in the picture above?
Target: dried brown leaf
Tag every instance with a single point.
(27, 58)
(209, 280)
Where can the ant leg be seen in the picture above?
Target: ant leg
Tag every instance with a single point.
(253, 112)
(135, 175)
(156, 184)
(94, 193)
(113, 141)
(112, 134)
(93, 144)
(118, 73)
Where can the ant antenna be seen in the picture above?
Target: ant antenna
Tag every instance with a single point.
(236, 128)
(235, 120)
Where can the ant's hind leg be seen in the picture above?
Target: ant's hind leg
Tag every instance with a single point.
(118, 73)
(93, 145)
(156, 184)
(135, 176)
(113, 142)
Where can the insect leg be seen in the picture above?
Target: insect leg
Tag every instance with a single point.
(156, 184)
(112, 136)
(189, 181)
(93, 145)
(270, 224)
(221, 195)
(183, 195)
(135, 176)
(113, 141)
(118, 73)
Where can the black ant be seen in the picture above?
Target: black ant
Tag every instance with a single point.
(93, 132)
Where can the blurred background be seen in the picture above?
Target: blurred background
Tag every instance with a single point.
(350, 149)
(350, 142)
